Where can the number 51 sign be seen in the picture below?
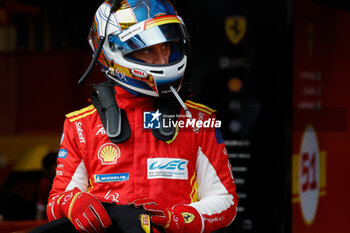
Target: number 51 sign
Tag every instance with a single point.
(308, 175)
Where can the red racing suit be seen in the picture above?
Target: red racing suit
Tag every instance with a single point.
(192, 169)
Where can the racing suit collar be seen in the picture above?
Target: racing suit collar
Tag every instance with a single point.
(126, 100)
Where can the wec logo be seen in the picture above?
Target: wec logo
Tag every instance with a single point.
(167, 168)
(172, 165)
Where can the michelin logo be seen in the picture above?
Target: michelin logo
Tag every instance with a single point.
(167, 168)
(116, 177)
(151, 120)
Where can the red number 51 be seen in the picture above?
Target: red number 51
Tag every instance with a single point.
(308, 171)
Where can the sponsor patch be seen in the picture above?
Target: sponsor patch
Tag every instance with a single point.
(80, 132)
(145, 222)
(132, 31)
(101, 130)
(59, 173)
(116, 177)
(62, 154)
(112, 196)
(108, 153)
(139, 73)
(167, 168)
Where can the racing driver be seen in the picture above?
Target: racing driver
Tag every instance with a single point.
(129, 146)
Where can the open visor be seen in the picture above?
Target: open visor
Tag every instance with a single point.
(148, 33)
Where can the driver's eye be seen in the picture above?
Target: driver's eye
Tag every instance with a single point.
(165, 46)
(146, 51)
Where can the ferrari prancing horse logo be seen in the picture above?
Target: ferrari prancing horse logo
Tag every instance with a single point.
(188, 217)
(235, 27)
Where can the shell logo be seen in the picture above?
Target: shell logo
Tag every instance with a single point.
(235, 84)
(109, 153)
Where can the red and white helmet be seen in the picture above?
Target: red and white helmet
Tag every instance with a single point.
(135, 25)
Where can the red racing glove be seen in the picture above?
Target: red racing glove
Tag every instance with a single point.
(83, 209)
(180, 218)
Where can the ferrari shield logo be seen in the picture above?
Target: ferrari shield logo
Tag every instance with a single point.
(188, 217)
(235, 27)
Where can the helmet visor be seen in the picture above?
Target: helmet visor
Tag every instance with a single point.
(145, 34)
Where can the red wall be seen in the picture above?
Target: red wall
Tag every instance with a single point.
(321, 100)
(39, 88)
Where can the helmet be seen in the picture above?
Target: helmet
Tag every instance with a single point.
(135, 25)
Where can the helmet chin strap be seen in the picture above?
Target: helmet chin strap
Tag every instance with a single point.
(114, 6)
(188, 113)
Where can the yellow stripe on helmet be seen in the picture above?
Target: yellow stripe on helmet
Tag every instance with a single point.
(161, 20)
